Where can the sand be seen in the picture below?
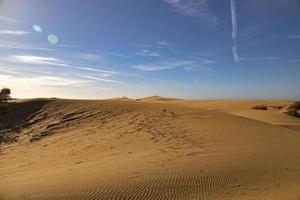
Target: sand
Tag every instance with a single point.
(152, 148)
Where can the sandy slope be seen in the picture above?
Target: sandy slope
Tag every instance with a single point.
(148, 149)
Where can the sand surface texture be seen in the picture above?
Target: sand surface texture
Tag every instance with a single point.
(152, 148)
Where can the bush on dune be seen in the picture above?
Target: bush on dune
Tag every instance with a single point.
(294, 109)
(296, 105)
(4, 97)
(260, 107)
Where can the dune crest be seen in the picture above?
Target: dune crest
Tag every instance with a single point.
(157, 98)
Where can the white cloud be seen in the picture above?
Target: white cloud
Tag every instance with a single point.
(31, 86)
(98, 70)
(163, 43)
(146, 52)
(10, 32)
(189, 7)
(195, 8)
(52, 61)
(163, 65)
(293, 60)
(234, 31)
(23, 46)
(267, 59)
(7, 19)
(235, 54)
(90, 57)
(58, 81)
(152, 67)
(95, 78)
(293, 37)
(187, 65)
(48, 81)
(38, 60)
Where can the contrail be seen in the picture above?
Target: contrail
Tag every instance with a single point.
(234, 31)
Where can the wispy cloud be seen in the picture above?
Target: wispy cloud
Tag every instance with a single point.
(152, 67)
(293, 36)
(38, 60)
(95, 78)
(164, 43)
(293, 60)
(163, 65)
(106, 73)
(7, 19)
(146, 52)
(195, 8)
(234, 31)
(59, 81)
(267, 59)
(68, 76)
(55, 85)
(15, 32)
(42, 80)
(66, 45)
(69, 64)
(98, 70)
(156, 45)
(90, 57)
(23, 46)
(235, 54)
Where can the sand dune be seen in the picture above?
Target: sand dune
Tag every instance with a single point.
(153, 148)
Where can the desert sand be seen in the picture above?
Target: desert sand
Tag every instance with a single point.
(152, 148)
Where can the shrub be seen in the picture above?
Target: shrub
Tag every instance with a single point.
(296, 105)
(260, 107)
(294, 109)
(5, 95)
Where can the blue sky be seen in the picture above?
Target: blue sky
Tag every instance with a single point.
(202, 49)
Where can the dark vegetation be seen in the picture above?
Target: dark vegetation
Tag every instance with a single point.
(294, 109)
(4, 97)
(260, 107)
(4, 108)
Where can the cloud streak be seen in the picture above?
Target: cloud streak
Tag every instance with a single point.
(268, 59)
(10, 32)
(234, 31)
(164, 43)
(16, 62)
(39, 60)
(163, 65)
(57, 62)
(187, 65)
(293, 37)
(23, 46)
(194, 8)
(7, 19)
(149, 53)
(95, 78)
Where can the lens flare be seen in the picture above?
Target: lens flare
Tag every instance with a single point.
(37, 28)
(53, 39)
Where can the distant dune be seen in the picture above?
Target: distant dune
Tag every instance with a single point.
(151, 148)
(156, 99)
